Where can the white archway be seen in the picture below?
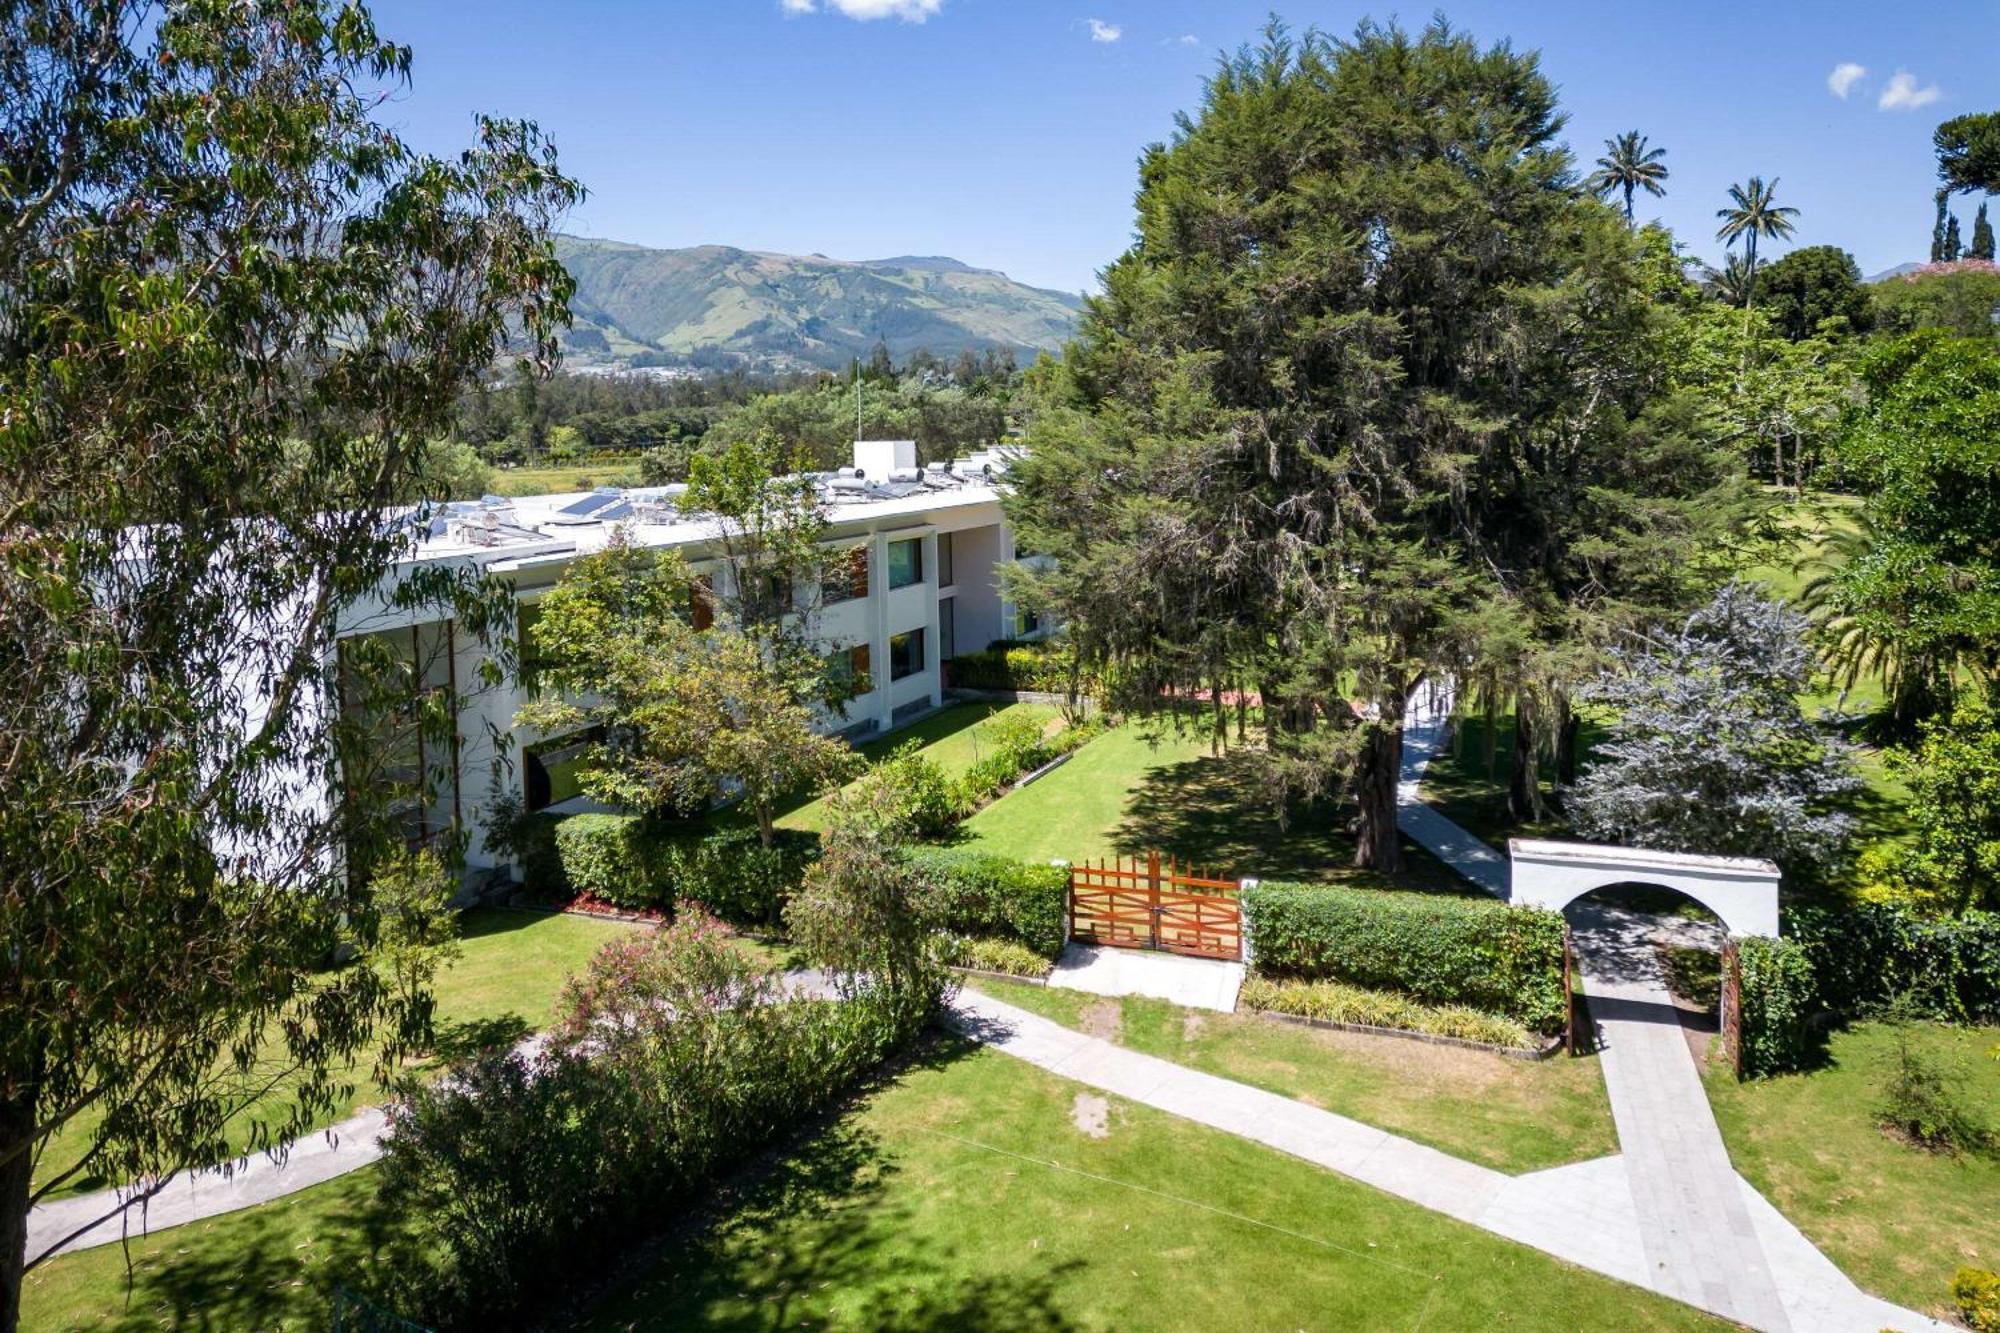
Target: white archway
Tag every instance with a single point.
(1741, 890)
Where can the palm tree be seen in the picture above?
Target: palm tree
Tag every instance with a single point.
(1753, 212)
(1628, 165)
(1729, 284)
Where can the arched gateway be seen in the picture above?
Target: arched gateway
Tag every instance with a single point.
(1742, 890)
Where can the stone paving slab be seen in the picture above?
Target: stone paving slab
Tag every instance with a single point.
(1192, 983)
(1426, 725)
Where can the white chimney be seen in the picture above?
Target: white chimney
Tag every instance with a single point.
(876, 459)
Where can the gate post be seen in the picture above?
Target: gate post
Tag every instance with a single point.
(1732, 1004)
(1153, 898)
(1069, 902)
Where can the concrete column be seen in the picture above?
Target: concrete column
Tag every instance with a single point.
(933, 649)
(878, 627)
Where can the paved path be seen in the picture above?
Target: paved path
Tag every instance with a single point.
(1193, 983)
(1426, 726)
(1583, 1213)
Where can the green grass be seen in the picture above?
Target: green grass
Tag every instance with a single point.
(1512, 1115)
(1896, 1219)
(979, 1192)
(574, 477)
(953, 738)
(504, 987)
(1134, 789)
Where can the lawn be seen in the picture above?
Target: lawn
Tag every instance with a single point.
(972, 1191)
(953, 738)
(980, 1192)
(503, 987)
(1896, 1219)
(1137, 788)
(1512, 1115)
(556, 480)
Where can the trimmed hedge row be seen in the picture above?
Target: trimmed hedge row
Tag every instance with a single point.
(636, 864)
(978, 893)
(1441, 950)
(1004, 666)
(1836, 964)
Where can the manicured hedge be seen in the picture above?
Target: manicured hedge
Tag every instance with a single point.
(1007, 666)
(1779, 999)
(636, 864)
(978, 893)
(1438, 949)
(1868, 953)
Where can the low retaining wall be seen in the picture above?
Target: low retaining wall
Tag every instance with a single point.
(1554, 1045)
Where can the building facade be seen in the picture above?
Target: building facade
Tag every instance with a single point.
(914, 566)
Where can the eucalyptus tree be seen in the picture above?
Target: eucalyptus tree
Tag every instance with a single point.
(1753, 213)
(1375, 395)
(238, 310)
(1629, 165)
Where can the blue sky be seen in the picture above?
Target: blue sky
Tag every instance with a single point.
(1005, 132)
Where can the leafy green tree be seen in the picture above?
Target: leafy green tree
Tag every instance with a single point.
(1754, 213)
(1954, 780)
(769, 524)
(413, 894)
(1953, 245)
(1812, 285)
(1968, 153)
(238, 311)
(1372, 393)
(1919, 590)
(689, 717)
(1628, 165)
(1729, 284)
(1941, 250)
(1982, 236)
(1961, 299)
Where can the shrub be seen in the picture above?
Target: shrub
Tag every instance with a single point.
(734, 875)
(607, 857)
(923, 796)
(998, 955)
(521, 1175)
(1977, 1294)
(1041, 666)
(1946, 968)
(1440, 950)
(1923, 1098)
(1333, 1002)
(1777, 1000)
(978, 893)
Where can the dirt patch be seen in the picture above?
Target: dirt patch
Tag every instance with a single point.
(1102, 1018)
(1192, 1027)
(1091, 1114)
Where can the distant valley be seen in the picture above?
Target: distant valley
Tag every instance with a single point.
(715, 305)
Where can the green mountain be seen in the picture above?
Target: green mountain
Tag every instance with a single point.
(636, 305)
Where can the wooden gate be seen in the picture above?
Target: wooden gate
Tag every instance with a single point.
(1150, 904)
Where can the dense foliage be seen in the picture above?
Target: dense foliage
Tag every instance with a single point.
(1377, 393)
(1708, 748)
(1049, 667)
(1811, 285)
(1779, 1003)
(636, 864)
(1956, 298)
(237, 309)
(673, 1060)
(1953, 862)
(981, 894)
(1434, 948)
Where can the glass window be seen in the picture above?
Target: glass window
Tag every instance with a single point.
(906, 562)
(846, 576)
(946, 575)
(1027, 623)
(947, 629)
(906, 654)
(849, 670)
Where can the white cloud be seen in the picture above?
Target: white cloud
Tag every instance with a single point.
(1187, 39)
(1100, 31)
(910, 11)
(1845, 75)
(1902, 93)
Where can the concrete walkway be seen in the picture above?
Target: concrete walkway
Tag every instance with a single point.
(1426, 727)
(1584, 1213)
(1192, 983)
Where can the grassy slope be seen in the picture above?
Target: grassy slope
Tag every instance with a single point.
(556, 480)
(1512, 1115)
(1896, 1219)
(952, 738)
(1131, 790)
(504, 987)
(967, 1196)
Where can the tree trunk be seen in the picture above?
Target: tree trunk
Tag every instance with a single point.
(766, 825)
(1377, 843)
(1569, 740)
(17, 1122)
(1524, 784)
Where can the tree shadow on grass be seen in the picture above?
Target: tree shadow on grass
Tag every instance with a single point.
(818, 1237)
(463, 1038)
(1217, 813)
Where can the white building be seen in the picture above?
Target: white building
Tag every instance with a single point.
(927, 547)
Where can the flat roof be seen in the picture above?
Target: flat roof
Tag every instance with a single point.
(1553, 849)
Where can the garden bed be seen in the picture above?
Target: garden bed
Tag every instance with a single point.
(1553, 1047)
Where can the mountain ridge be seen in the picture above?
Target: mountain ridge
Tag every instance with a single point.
(643, 305)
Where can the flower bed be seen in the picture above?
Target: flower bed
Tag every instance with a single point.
(1356, 1009)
